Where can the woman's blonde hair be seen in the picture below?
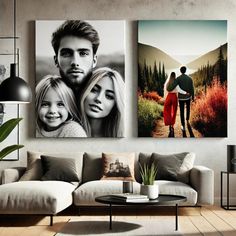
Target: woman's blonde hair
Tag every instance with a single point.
(169, 81)
(113, 124)
(64, 92)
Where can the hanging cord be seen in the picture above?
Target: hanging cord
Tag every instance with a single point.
(14, 29)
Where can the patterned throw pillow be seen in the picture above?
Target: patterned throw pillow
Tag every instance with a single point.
(118, 166)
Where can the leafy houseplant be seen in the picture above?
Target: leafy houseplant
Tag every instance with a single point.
(148, 175)
(5, 129)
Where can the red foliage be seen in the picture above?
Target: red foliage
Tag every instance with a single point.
(209, 111)
(152, 96)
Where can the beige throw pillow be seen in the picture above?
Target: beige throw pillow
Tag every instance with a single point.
(187, 165)
(118, 166)
(34, 169)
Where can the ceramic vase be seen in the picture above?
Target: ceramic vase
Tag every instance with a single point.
(152, 191)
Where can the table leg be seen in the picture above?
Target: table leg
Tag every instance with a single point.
(227, 191)
(110, 216)
(221, 189)
(176, 217)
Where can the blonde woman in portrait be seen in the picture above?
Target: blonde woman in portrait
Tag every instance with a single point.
(56, 112)
(102, 104)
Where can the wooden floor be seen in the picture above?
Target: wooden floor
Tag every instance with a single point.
(208, 221)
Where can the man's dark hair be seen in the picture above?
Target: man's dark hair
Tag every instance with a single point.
(75, 28)
(183, 69)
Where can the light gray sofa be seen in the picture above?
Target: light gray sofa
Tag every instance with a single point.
(51, 197)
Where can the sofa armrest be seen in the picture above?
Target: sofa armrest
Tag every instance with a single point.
(202, 180)
(12, 174)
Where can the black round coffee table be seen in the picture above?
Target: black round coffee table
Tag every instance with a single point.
(162, 200)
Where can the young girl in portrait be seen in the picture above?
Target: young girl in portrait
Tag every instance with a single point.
(102, 104)
(56, 111)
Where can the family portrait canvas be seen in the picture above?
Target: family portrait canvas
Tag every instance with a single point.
(79, 79)
(182, 78)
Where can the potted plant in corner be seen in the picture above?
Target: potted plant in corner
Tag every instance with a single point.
(5, 130)
(148, 175)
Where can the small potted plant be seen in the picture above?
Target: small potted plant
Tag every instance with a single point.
(148, 175)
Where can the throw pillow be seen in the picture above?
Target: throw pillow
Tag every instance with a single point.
(92, 167)
(184, 170)
(62, 169)
(118, 166)
(144, 158)
(173, 166)
(34, 169)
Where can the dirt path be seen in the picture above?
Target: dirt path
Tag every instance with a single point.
(162, 131)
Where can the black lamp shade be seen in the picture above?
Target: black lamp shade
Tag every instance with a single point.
(14, 89)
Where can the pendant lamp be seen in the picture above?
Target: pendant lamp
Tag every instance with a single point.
(14, 89)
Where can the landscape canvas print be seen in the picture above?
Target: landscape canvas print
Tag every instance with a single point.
(182, 78)
(80, 79)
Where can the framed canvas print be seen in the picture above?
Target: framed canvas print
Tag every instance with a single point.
(8, 111)
(182, 78)
(79, 79)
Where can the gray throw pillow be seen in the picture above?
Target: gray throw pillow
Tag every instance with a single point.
(143, 158)
(62, 169)
(92, 167)
(175, 167)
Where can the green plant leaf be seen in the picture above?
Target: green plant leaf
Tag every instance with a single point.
(148, 173)
(7, 127)
(7, 150)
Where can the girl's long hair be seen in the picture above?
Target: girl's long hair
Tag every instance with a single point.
(169, 81)
(113, 124)
(64, 92)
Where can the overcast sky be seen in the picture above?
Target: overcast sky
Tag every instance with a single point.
(183, 39)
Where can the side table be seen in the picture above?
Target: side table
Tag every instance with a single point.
(228, 206)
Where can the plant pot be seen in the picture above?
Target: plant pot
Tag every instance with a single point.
(152, 191)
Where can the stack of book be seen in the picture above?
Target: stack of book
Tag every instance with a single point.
(130, 197)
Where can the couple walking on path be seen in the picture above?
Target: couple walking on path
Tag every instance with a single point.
(178, 89)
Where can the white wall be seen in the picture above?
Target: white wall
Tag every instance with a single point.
(210, 152)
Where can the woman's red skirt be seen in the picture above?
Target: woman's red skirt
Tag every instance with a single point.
(170, 109)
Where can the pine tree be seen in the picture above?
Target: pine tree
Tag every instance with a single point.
(141, 82)
(220, 67)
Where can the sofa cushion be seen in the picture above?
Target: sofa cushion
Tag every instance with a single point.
(63, 169)
(118, 166)
(92, 167)
(183, 175)
(35, 197)
(143, 158)
(86, 193)
(34, 169)
(173, 166)
(78, 156)
(178, 188)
